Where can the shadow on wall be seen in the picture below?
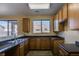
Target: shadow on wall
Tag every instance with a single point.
(70, 36)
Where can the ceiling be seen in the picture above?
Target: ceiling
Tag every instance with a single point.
(22, 9)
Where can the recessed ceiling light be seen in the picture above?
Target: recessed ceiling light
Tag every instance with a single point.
(39, 5)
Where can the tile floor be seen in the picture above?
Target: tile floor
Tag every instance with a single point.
(40, 53)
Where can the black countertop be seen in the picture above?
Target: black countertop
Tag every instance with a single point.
(57, 38)
(9, 42)
(4, 46)
(71, 48)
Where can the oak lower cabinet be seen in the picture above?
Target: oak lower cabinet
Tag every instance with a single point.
(26, 48)
(68, 50)
(62, 52)
(21, 48)
(13, 51)
(55, 42)
(56, 45)
(45, 43)
(39, 43)
(32, 43)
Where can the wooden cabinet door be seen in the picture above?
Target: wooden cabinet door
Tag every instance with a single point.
(22, 49)
(73, 16)
(26, 47)
(15, 51)
(38, 42)
(56, 24)
(61, 27)
(65, 11)
(45, 43)
(26, 25)
(60, 15)
(32, 43)
(56, 43)
(62, 52)
(51, 43)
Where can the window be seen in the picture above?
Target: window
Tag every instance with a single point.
(41, 26)
(36, 26)
(8, 28)
(3, 28)
(56, 27)
(46, 26)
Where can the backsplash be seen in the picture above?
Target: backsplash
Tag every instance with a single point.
(70, 36)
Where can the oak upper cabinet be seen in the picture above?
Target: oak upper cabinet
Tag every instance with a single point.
(73, 16)
(60, 15)
(56, 24)
(63, 17)
(65, 12)
(61, 24)
(26, 25)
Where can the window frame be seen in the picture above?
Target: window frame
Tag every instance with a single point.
(8, 21)
(41, 26)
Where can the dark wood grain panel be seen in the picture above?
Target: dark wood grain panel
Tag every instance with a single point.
(26, 25)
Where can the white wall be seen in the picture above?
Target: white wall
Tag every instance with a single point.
(70, 36)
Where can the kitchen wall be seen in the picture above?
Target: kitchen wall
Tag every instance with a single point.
(20, 18)
(70, 36)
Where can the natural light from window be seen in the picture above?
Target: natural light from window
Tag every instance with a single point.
(8, 28)
(41, 26)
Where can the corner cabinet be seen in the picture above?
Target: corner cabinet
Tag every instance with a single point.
(55, 42)
(61, 19)
(73, 16)
(65, 12)
(26, 25)
(56, 24)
